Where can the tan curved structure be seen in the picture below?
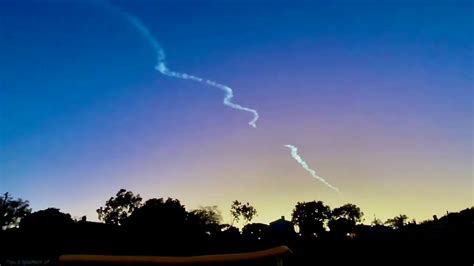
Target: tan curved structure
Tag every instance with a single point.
(271, 256)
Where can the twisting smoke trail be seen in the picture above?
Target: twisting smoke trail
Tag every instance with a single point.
(163, 69)
(297, 157)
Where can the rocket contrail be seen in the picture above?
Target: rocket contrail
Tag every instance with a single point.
(163, 69)
(297, 157)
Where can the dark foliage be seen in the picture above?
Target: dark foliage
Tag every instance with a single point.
(118, 208)
(164, 227)
(12, 211)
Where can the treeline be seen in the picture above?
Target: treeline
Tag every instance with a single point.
(161, 226)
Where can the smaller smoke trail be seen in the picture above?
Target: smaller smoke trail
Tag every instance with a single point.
(297, 157)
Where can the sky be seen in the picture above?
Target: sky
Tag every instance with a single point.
(377, 96)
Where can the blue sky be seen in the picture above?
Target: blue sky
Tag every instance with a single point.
(357, 85)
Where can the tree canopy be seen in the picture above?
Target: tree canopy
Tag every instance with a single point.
(159, 215)
(207, 215)
(12, 211)
(397, 222)
(343, 220)
(240, 210)
(349, 212)
(50, 219)
(310, 217)
(118, 208)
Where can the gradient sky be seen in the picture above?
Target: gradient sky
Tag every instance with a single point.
(376, 95)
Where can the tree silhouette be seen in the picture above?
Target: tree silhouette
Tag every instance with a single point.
(47, 220)
(166, 217)
(397, 222)
(207, 215)
(255, 232)
(246, 211)
(349, 212)
(163, 227)
(310, 217)
(343, 219)
(118, 208)
(376, 222)
(229, 233)
(12, 211)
